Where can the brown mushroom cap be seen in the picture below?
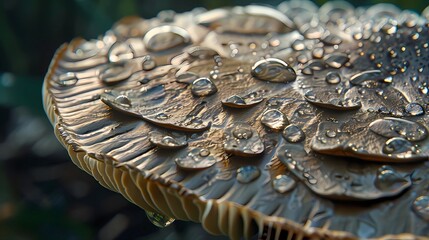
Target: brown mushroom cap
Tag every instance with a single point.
(303, 123)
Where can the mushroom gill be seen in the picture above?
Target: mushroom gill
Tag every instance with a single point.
(295, 122)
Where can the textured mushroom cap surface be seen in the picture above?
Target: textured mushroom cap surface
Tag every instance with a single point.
(297, 122)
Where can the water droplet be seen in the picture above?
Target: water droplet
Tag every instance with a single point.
(67, 79)
(203, 87)
(168, 141)
(243, 131)
(201, 52)
(186, 77)
(123, 100)
(293, 134)
(119, 52)
(165, 37)
(318, 52)
(421, 206)
(414, 109)
(388, 179)
(366, 76)
(148, 63)
(274, 119)
(159, 220)
(162, 116)
(196, 159)
(396, 127)
(336, 60)
(273, 70)
(115, 73)
(234, 100)
(399, 145)
(248, 174)
(333, 78)
(245, 101)
(242, 140)
(330, 133)
(283, 183)
(332, 39)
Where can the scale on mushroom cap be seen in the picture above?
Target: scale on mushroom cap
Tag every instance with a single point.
(290, 122)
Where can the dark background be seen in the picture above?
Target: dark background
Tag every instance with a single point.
(42, 194)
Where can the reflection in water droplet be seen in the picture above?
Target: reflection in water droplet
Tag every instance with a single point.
(333, 78)
(165, 37)
(293, 134)
(421, 206)
(159, 220)
(123, 100)
(203, 87)
(234, 100)
(283, 183)
(196, 159)
(273, 70)
(274, 119)
(173, 141)
(67, 79)
(337, 60)
(248, 174)
(396, 127)
(388, 179)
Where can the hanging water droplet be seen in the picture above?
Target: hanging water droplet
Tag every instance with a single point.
(67, 79)
(274, 119)
(165, 37)
(159, 220)
(148, 63)
(203, 87)
(196, 159)
(293, 134)
(273, 70)
(333, 78)
(248, 174)
(170, 141)
(388, 179)
(414, 109)
(283, 183)
(421, 206)
(123, 100)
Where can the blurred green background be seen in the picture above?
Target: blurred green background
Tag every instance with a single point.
(42, 194)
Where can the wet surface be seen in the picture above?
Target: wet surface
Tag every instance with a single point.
(340, 104)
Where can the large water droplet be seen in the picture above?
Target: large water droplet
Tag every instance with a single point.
(203, 87)
(196, 159)
(123, 100)
(165, 37)
(148, 63)
(421, 206)
(159, 220)
(274, 119)
(67, 79)
(168, 141)
(283, 183)
(273, 70)
(248, 174)
(388, 179)
(396, 127)
(293, 134)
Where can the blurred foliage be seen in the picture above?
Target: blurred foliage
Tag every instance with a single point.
(42, 194)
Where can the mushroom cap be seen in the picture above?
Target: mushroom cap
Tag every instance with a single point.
(297, 123)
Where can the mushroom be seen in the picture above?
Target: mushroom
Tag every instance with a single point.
(294, 122)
